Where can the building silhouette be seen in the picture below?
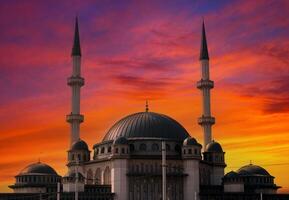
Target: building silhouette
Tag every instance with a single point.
(127, 163)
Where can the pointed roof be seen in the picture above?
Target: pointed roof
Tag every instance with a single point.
(204, 54)
(76, 51)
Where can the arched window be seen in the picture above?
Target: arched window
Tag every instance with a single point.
(131, 147)
(184, 151)
(97, 177)
(156, 167)
(142, 147)
(84, 157)
(168, 147)
(155, 147)
(78, 157)
(196, 151)
(102, 150)
(122, 150)
(96, 151)
(89, 177)
(116, 150)
(175, 168)
(169, 168)
(106, 176)
(72, 157)
(190, 151)
(109, 149)
(178, 148)
(141, 167)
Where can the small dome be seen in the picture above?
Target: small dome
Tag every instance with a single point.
(231, 174)
(120, 140)
(38, 168)
(147, 125)
(72, 175)
(190, 141)
(214, 147)
(251, 170)
(79, 145)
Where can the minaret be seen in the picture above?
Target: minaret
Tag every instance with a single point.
(205, 85)
(75, 81)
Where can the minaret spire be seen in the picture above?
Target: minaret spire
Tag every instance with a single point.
(75, 81)
(76, 51)
(205, 85)
(204, 54)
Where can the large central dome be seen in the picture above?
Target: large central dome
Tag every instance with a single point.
(147, 125)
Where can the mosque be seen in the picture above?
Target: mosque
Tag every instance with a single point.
(129, 162)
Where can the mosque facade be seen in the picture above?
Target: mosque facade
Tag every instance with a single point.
(128, 164)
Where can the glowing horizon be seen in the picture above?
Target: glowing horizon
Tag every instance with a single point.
(146, 50)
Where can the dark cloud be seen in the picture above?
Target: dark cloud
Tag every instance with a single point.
(174, 39)
(141, 87)
(278, 51)
(142, 82)
(274, 94)
(146, 63)
(143, 76)
(277, 106)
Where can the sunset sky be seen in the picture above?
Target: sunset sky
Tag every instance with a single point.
(138, 50)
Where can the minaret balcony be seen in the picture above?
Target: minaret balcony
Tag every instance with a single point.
(206, 120)
(205, 84)
(75, 80)
(74, 117)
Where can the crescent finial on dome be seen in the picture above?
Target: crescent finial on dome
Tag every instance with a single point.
(147, 106)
